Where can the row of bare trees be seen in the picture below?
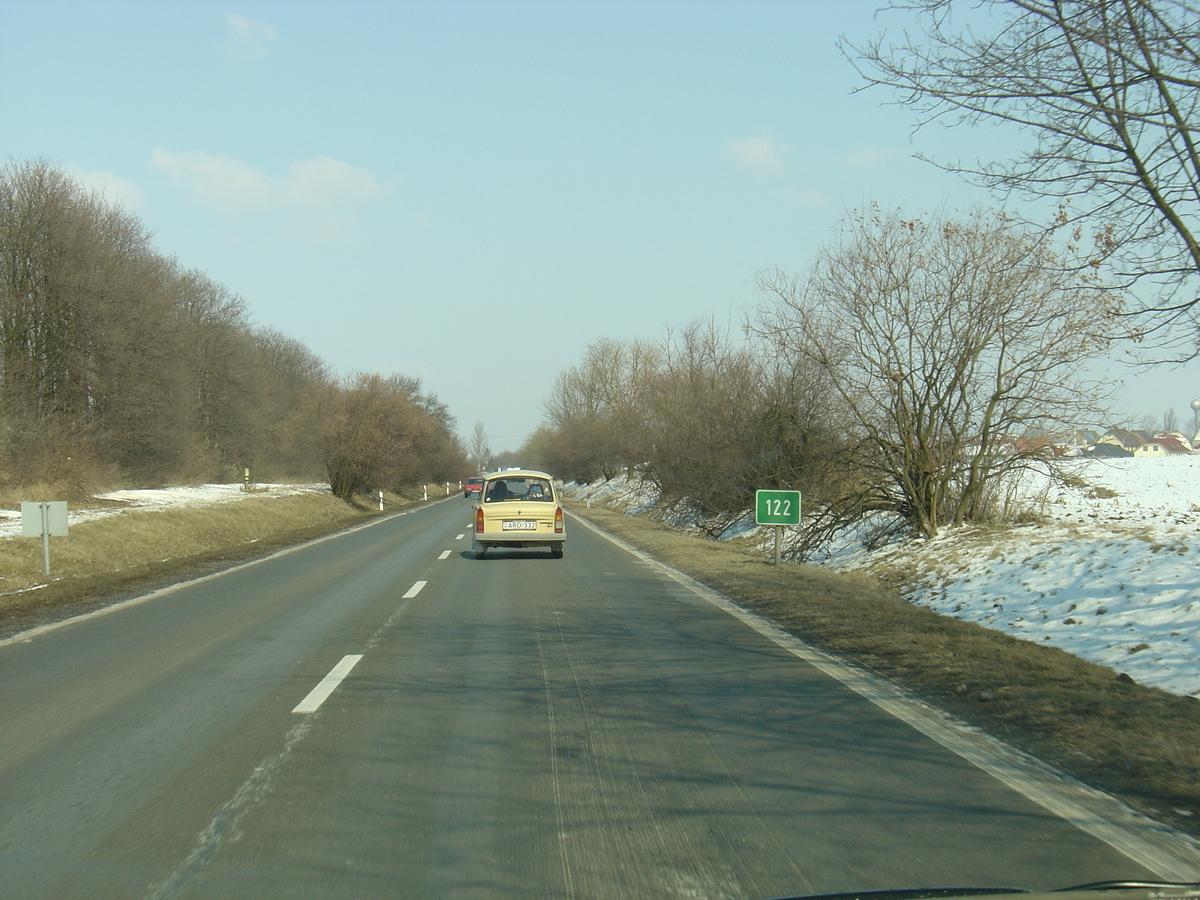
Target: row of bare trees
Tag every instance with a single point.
(117, 365)
(910, 372)
(703, 415)
(383, 434)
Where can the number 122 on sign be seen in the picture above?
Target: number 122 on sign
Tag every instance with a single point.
(777, 507)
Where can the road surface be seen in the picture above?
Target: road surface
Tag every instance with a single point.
(378, 714)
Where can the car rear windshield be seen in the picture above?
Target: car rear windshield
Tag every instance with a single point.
(519, 488)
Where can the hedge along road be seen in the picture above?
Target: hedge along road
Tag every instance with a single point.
(380, 714)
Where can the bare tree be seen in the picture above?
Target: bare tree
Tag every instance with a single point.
(379, 435)
(479, 449)
(804, 427)
(950, 344)
(706, 404)
(1170, 420)
(217, 355)
(293, 389)
(598, 407)
(1111, 91)
(83, 302)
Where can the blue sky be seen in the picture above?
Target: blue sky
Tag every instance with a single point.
(417, 186)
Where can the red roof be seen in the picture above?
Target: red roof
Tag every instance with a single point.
(1170, 443)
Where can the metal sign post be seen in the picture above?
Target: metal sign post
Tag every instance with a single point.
(777, 508)
(44, 519)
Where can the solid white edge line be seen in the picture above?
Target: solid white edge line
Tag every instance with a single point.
(414, 590)
(321, 692)
(1174, 856)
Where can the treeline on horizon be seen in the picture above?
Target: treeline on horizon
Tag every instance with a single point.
(120, 367)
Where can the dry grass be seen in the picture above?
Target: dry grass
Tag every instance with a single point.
(1136, 742)
(121, 554)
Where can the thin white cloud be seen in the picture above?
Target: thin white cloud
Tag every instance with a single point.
(763, 155)
(247, 38)
(810, 199)
(869, 156)
(323, 182)
(234, 187)
(112, 187)
(227, 184)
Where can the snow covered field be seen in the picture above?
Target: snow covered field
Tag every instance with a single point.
(1112, 579)
(1113, 576)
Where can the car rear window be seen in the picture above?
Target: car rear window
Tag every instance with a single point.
(518, 488)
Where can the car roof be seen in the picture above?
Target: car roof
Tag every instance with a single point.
(518, 473)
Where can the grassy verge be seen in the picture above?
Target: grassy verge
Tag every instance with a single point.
(106, 559)
(1135, 742)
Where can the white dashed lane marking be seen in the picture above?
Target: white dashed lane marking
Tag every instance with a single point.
(321, 692)
(414, 590)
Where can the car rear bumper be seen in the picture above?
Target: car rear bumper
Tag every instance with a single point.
(510, 539)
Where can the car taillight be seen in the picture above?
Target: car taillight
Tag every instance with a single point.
(479, 521)
(558, 520)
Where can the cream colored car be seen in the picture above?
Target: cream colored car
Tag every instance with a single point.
(519, 508)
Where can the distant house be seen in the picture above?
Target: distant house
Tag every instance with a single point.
(1103, 449)
(1130, 440)
(1036, 446)
(1165, 444)
(1117, 442)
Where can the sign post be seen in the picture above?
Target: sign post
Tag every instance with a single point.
(44, 519)
(777, 508)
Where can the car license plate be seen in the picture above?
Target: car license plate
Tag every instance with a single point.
(519, 525)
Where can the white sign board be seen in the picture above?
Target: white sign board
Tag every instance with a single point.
(47, 517)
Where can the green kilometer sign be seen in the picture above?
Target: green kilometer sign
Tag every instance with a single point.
(777, 507)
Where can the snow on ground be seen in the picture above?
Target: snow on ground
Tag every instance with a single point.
(1112, 576)
(166, 498)
(1112, 579)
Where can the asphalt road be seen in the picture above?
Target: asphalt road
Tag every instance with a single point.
(514, 726)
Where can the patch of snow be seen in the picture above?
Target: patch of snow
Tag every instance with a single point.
(634, 496)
